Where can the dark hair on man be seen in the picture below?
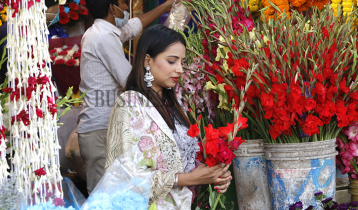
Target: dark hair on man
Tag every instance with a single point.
(155, 40)
(50, 3)
(99, 8)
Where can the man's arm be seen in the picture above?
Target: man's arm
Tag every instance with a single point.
(155, 13)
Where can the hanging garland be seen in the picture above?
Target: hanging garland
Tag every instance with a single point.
(33, 127)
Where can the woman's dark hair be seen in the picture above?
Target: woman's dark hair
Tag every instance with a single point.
(99, 8)
(155, 40)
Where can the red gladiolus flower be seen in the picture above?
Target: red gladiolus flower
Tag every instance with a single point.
(266, 99)
(63, 18)
(73, 15)
(234, 144)
(82, 2)
(73, 6)
(199, 117)
(243, 121)
(193, 130)
(211, 133)
(40, 172)
(310, 125)
(53, 58)
(225, 131)
(59, 61)
(71, 62)
(310, 104)
(62, 9)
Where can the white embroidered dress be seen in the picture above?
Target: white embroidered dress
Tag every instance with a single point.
(135, 126)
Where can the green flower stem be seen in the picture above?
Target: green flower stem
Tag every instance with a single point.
(216, 201)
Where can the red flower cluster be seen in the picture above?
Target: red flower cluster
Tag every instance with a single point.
(74, 13)
(33, 82)
(66, 55)
(218, 149)
(211, 43)
(302, 96)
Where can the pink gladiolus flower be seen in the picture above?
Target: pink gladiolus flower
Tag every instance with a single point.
(352, 132)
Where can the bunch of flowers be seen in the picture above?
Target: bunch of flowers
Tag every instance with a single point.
(215, 44)
(348, 7)
(191, 89)
(218, 145)
(3, 16)
(69, 55)
(306, 88)
(347, 157)
(72, 11)
(277, 7)
(326, 204)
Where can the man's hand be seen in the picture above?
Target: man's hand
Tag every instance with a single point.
(169, 4)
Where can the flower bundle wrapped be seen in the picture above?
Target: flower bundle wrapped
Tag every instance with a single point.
(69, 55)
(306, 88)
(72, 11)
(347, 157)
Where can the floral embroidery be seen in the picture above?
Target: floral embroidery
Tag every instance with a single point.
(154, 127)
(145, 144)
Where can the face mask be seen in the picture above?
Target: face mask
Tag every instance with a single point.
(55, 19)
(121, 22)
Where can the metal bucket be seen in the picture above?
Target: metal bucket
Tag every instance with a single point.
(296, 171)
(251, 177)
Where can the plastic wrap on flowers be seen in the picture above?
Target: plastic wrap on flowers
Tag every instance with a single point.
(10, 197)
(122, 187)
(178, 16)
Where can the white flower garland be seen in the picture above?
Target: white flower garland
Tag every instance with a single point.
(32, 103)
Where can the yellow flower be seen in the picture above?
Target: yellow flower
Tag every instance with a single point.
(209, 86)
(347, 5)
(0, 23)
(76, 96)
(222, 100)
(4, 10)
(3, 17)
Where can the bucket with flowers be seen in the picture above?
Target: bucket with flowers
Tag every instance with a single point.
(304, 93)
(216, 45)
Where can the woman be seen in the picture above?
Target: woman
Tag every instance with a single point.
(147, 118)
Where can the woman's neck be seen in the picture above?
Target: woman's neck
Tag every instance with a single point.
(158, 90)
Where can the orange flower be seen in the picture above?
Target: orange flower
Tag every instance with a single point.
(319, 3)
(297, 3)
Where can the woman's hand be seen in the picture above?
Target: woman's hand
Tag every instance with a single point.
(222, 187)
(205, 175)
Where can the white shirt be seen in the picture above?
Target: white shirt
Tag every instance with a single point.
(104, 70)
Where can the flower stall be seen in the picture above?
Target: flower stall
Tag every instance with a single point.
(270, 87)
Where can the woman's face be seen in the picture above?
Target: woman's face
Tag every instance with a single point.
(167, 67)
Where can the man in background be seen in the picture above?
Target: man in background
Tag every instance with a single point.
(104, 71)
